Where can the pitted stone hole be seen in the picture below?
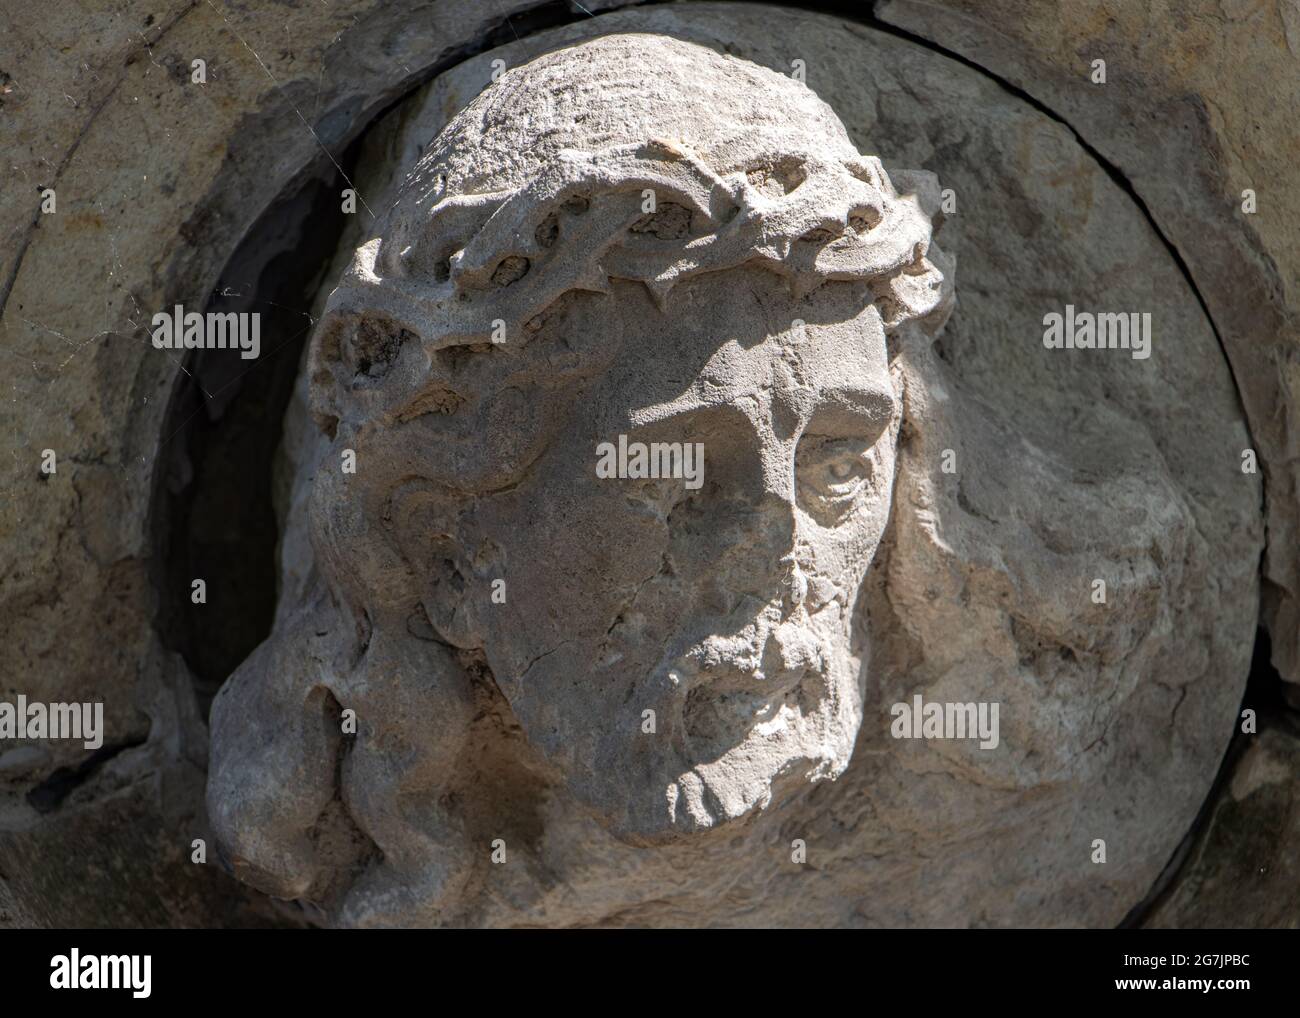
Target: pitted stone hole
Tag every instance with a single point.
(547, 231)
(864, 218)
(777, 179)
(434, 398)
(669, 221)
(452, 360)
(820, 235)
(373, 345)
(509, 270)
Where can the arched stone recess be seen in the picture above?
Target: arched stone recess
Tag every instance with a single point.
(974, 594)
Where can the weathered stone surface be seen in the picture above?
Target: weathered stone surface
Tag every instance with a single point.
(100, 107)
(156, 180)
(1210, 88)
(1072, 466)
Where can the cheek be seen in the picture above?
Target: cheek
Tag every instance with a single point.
(352, 552)
(882, 499)
(843, 553)
(576, 550)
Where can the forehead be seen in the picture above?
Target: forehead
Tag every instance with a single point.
(827, 366)
(619, 361)
(737, 339)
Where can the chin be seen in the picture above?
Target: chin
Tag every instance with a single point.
(805, 739)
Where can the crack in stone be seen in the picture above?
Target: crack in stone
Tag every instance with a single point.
(50, 794)
(1117, 176)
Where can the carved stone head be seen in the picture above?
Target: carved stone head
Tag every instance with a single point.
(639, 245)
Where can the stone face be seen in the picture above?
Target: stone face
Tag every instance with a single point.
(1071, 466)
(681, 255)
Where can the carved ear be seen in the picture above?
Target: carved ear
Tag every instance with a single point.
(426, 522)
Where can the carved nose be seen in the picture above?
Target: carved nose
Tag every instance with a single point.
(761, 553)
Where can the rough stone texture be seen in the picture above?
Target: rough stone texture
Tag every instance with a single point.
(1210, 87)
(726, 605)
(1242, 867)
(1120, 714)
(156, 180)
(98, 105)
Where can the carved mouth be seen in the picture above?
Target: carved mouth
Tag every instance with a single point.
(769, 653)
(716, 721)
(734, 689)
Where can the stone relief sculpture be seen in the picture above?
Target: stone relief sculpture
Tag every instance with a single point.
(683, 672)
(746, 316)
(661, 530)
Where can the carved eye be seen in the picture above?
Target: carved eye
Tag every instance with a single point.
(820, 236)
(832, 473)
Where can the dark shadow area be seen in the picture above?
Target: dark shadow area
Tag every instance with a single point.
(50, 793)
(213, 514)
(1265, 695)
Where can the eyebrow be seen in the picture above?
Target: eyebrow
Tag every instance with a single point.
(867, 401)
(852, 410)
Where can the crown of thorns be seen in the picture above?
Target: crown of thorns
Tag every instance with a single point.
(472, 261)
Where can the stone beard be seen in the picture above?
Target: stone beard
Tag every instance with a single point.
(745, 318)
